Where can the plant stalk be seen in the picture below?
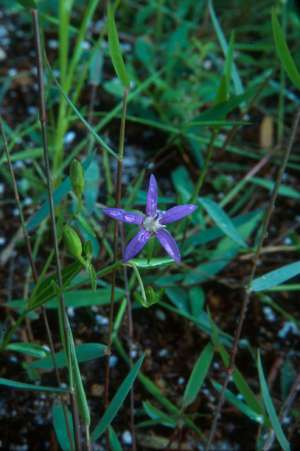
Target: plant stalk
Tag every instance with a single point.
(118, 196)
(247, 295)
(61, 303)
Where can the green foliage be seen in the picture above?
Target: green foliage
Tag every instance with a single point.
(283, 52)
(117, 400)
(270, 408)
(198, 376)
(114, 48)
(276, 277)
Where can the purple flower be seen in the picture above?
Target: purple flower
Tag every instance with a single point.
(151, 224)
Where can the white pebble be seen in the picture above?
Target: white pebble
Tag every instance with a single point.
(127, 438)
(69, 137)
(113, 360)
(2, 240)
(101, 320)
(288, 327)
(269, 314)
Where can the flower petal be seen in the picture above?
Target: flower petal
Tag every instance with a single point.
(124, 216)
(176, 213)
(152, 195)
(136, 244)
(169, 244)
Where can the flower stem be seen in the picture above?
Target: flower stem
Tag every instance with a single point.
(61, 303)
(118, 196)
(247, 295)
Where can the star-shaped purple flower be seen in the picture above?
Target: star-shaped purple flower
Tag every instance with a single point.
(151, 224)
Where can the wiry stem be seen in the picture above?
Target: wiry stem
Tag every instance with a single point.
(247, 295)
(61, 303)
(116, 231)
(130, 341)
(32, 265)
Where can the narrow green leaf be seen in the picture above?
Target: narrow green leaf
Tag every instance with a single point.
(84, 353)
(152, 263)
(157, 414)
(198, 375)
(283, 52)
(238, 379)
(114, 48)
(235, 75)
(276, 277)
(59, 423)
(270, 407)
(113, 440)
(117, 400)
(76, 378)
(31, 387)
(241, 406)
(28, 349)
(222, 220)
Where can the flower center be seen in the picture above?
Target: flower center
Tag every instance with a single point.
(152, 224)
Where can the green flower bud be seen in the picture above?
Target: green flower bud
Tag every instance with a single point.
(72, 242)
(77, 178)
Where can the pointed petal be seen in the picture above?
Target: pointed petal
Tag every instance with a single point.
(136, 244)
(177, 213)
(152, 194)
(169, 244)
(124, 216)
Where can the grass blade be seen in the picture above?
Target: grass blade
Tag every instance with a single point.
(270, 408)
(198, 375)
(222, 220)
(115, 50)
(276, 277)
(117, 400)
(283, 52)
(31, 387)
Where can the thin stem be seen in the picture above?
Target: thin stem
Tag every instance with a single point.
(32, 265)
(202, 177)
(61, 304)
(116, 229)
(130, 341)
(247, 295)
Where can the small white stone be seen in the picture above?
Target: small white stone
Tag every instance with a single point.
(127, 438)
(163, 353)
(207, 64)
(71, 312)
(27, 201)
(113, 360)
(1, 188)
(269, 314)
(69, 137)
(181, 380)
(288, 327)
(2, 240)
(12, 72)
(101, 320)
(85, 45)
(53, 44)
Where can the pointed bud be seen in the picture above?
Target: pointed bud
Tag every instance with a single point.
(77, 178)
(72, 242)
